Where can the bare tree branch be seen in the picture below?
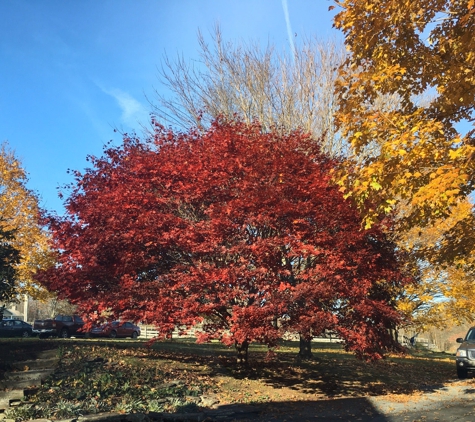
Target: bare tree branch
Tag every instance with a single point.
(277, 89)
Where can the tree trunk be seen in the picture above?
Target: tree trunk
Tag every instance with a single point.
(305, 351)
(242, 352)
(394, 334)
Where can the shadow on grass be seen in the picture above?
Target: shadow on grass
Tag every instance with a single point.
(331, 373)
(15, 349)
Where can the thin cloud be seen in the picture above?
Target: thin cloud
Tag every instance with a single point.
(134, 113)
(290, 33)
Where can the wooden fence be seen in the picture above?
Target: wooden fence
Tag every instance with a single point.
(149, 331)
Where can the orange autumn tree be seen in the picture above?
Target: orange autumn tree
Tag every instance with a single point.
(20, 215)
(408, 49)
(442, 297)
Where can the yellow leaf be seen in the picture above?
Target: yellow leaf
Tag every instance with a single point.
(455, 153)
(375, 185)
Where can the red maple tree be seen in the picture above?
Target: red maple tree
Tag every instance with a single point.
(238, 229)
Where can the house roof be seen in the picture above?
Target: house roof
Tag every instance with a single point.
(11, 312)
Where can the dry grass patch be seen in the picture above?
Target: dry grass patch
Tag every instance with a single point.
(125, 376)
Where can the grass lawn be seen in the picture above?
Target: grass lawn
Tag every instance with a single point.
(126, 376)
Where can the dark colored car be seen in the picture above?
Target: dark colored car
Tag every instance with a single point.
(465, 356)
(15, 328)
(62, 326)
(116, 329)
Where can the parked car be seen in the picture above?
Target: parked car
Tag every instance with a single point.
(465, 356)
(15, 328)
(116, 329)
(62, 326)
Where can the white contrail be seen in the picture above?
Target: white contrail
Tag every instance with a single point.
(290, 33)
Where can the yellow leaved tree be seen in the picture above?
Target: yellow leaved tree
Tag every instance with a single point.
(424, 166)
(19, 213)
(409, 48)
(444, 292)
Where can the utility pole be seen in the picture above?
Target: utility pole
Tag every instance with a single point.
(25, 308)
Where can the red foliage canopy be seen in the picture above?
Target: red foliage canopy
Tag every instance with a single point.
(235, 227)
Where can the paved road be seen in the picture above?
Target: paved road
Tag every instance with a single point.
(455, 403)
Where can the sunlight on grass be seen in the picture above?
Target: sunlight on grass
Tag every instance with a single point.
(103, 376)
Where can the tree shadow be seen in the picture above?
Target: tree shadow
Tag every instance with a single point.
(332, 372)
(352, 409)
(12, 350)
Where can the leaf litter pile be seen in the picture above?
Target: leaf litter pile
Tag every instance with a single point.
(104, 379)
(93, 378)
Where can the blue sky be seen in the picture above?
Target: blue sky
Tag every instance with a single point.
(73, 70)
